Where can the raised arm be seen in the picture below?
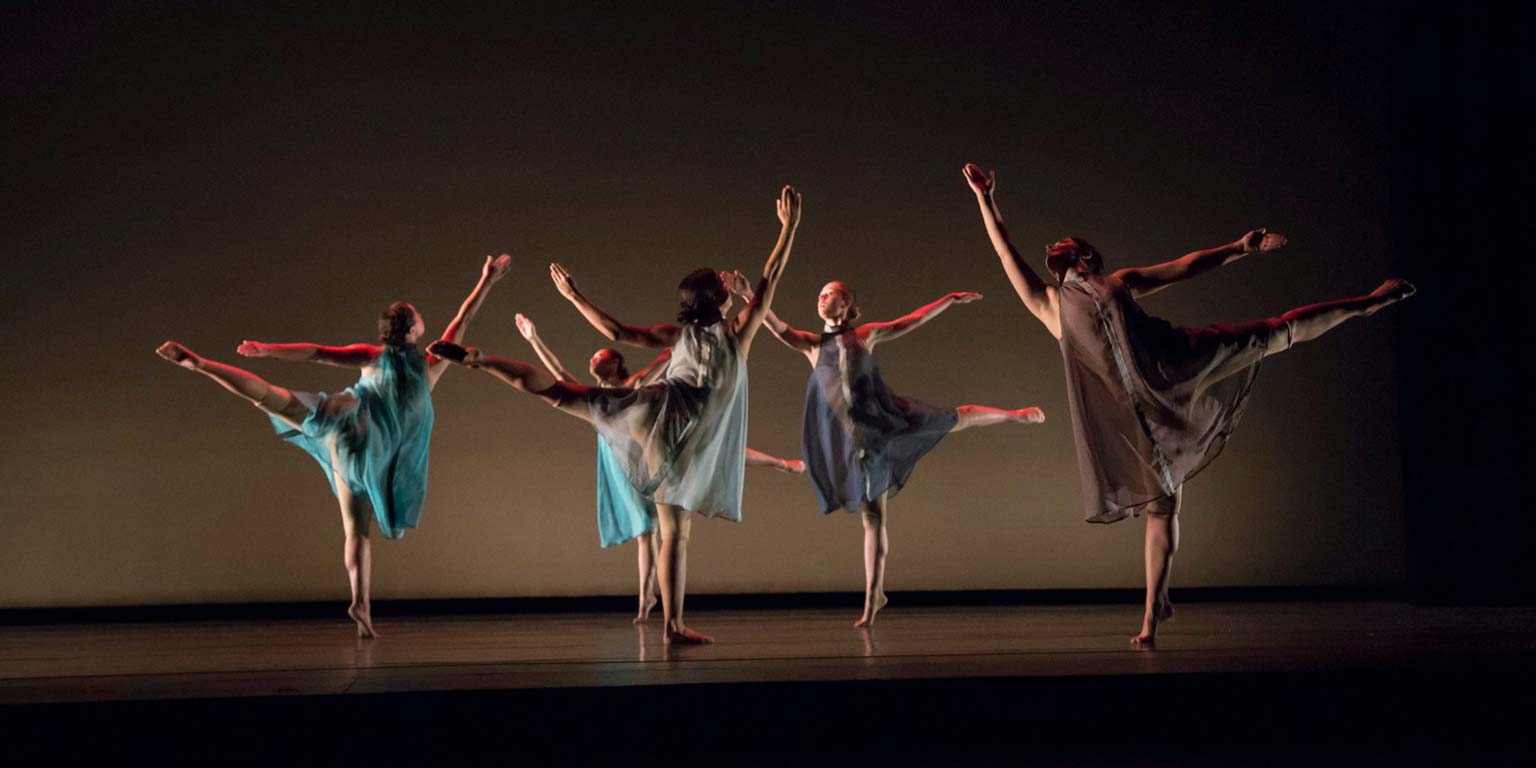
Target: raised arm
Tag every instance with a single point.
(751, 317)
(1038, 296)
(494, 269)
(350, 356)
(663, 335)
(651, 372)
(1144, 280)
(546, 355)
(800, 341)
(874, 333)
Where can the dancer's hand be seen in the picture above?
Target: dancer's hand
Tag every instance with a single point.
(496, 267)
(737, 283)
(563, 281)
(964, 297)
(525, 327)
(789, 206)
(982, 182)
(1261, 240)
(456, 353)
(252, 349)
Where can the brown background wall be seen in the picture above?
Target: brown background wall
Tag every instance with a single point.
(215, 175)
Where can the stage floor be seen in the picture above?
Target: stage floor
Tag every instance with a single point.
(119, 662)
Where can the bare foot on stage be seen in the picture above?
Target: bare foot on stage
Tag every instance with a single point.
(178, 354)
(1164, 610)
(1392, 291)
(681, 634)
(868, 619)
(364, 622)
(1029, 416)
(645, 609)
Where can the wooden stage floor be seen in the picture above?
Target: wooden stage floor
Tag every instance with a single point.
(1305, 666)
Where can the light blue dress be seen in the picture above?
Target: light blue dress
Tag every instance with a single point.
(683, 440)
(380, 428)
(622, 514)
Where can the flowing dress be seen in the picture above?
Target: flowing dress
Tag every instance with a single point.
(374, 436)
(683, 440)
(1152, 402)
(859, 439)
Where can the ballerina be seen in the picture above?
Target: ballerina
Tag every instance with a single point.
(623, 514)
(1152, 403)
(680, 441)
(860, 441)
(372, 438)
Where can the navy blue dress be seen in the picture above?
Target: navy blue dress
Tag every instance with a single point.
(859, 439)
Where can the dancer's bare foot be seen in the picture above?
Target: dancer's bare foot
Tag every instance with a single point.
(1029, 416)
(793, 467)
(645, 609)
(364, 621)
(677, 633)
(455, 353)
(1147, 640)
(1391, 291)
(868, 619)
(179, 355)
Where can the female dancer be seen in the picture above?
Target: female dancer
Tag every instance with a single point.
(680, 441)
(623, 514)
(861, 442)
(372, 438)
(1152, 403)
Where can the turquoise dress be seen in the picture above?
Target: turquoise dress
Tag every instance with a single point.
(622, 514)
(683, 440)
(380, 429)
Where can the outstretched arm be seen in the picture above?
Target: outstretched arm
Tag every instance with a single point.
(751, 317)
(800, 341)
(663, 335)
(874, 333)
(1038, 296)
(546, 355)
(652, 372)
(350, 356)
(1144, 280)
(495, 268)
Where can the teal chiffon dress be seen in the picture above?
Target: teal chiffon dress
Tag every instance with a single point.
(374, 436)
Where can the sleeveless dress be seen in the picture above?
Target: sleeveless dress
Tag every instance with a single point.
(1152, 402)
(381, 428)
(622, 514)
(683, 440)
(859, 439)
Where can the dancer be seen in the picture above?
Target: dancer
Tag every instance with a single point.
(372, 438)
(1152, 403)
(860, 441)
(680, 441)
(623, 514)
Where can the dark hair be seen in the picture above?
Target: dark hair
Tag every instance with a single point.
(701, 293)
(622, 372)
(395, 324)
(1084, 253)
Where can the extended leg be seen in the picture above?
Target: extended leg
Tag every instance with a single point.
(986, 416)
(672, 573)
(877, 544)
(1161, 543)
(533, 379)
(1309, 322)
(259, 392)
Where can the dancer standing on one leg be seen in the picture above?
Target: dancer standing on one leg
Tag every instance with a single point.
(861, 442)
(372, 439)
(682, 440)
(623, 514)
(1152, 403)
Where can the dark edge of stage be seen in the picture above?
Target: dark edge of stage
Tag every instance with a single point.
(470, 606)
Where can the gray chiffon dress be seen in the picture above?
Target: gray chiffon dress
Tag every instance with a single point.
(1152, 402)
